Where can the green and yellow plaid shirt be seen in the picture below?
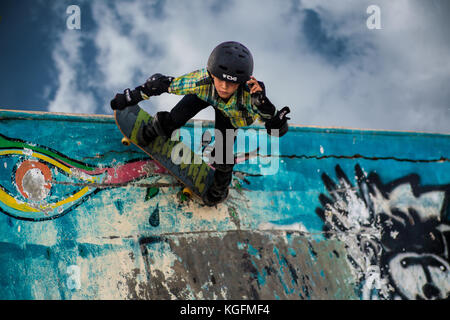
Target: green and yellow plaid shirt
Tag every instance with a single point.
(238, 108)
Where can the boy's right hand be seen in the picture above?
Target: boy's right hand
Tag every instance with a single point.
(156, 84)
(125, 99)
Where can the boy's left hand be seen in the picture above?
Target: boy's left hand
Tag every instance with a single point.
(253, 85)
(266, 109)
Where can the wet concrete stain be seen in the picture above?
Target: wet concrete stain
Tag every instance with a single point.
(205, 267)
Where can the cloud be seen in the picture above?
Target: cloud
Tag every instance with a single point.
(70, 96)
(392, 78)
(317, 56)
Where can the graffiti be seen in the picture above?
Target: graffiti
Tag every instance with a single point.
(154, 217)
(396, 234)
(115, 226)
(46, 184)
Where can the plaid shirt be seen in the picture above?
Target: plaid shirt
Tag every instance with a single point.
(238, 108)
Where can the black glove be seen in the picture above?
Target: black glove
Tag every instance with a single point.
(278, 122)
(155, 85)
(125, 99)
(266, 109)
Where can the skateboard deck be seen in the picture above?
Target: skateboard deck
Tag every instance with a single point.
(175, 156)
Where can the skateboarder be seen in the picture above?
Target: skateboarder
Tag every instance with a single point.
(226, 84)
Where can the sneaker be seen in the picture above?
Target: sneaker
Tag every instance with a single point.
(213, 197)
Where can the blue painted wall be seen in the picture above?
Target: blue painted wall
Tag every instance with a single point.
(321, 213)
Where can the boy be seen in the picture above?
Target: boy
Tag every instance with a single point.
(226, 84)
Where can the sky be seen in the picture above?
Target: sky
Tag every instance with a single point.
(319, 57)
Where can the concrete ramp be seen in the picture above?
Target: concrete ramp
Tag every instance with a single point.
(321, 213)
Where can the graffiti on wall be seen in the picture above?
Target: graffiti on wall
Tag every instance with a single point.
(39, 183)
(397, 235)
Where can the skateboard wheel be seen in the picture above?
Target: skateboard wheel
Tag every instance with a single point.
(126, 142)
(187, 192)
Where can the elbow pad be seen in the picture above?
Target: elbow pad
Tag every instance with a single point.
(278, 126)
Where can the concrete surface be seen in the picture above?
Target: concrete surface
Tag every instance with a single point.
(322, 213)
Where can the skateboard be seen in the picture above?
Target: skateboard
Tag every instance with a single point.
(175, 156)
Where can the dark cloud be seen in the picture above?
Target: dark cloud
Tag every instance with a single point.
(332, 48)
(25, 64)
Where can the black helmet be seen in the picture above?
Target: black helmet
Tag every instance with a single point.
(231, 61)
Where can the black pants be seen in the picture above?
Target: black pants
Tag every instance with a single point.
(185, 110)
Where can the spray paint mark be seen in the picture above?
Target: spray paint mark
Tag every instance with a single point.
(154, 217)
(188, 214)
(119, 206)
(151, 193)
(232, 212)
